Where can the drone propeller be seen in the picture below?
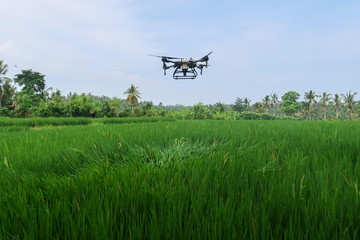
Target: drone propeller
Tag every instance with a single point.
(205, 58)
(209, 53)
(164, 58)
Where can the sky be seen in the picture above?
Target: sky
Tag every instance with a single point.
(259, 46)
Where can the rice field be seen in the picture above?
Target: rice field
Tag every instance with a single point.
(181, 180)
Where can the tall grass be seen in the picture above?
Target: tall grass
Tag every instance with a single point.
(182, 180)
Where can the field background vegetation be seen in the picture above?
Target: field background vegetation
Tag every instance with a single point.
(198, 179)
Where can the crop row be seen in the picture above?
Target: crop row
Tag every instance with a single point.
(37, 122)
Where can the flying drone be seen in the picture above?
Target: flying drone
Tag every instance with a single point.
(184, 68)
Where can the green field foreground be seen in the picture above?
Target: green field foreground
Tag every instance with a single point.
(181, 180)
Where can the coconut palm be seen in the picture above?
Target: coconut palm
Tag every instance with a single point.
(247, 104)
(7, 92)
(3, 71)
(266, 102)
(133, 95)
(220, 107)
(274, 101)
(3, 68)
(325, 98)
(310, 99)
(349, 99)
(337, 101)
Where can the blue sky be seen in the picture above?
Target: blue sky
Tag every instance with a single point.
(260, 47)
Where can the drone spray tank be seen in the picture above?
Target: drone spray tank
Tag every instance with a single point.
(185, 70)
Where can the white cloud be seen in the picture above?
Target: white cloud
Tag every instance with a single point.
(12, 54)
(6, 47)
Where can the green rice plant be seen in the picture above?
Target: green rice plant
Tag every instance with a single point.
(41, 122)
(179, 150)
(134, 120)
(38, 122)
(13, 129)
(182, 180)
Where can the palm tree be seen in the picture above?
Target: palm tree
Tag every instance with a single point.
(220, 107)
(133, 95)
(337, 101)
(3, 71)
(238, 106)
(349, 99)
(274, 101)
(247, 104)
(326, 97)
(310, 99)
(266, 102)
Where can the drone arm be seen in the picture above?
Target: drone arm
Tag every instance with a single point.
(201, 66)
(204, 59)
(165, 67)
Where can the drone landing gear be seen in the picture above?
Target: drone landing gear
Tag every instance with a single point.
(165, 67)
(189, 74)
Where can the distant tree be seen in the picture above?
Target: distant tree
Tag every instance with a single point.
(310, 99)
(106, 106)
(133, 95)
(84, 105)
(258, 107)
(26, 105)
(56, 104)
(3, 68)
(8, 92)
(147, 107)
(32, 83)
(239, 105)
(115, 105)
(247, 102)
(3, 71)
(178, 112)
(200, 111)
(349, 99)
(325, 99)
(7, 97)
(303, 110)
(274, 101)
(219, 107)
(337, 102)
(290, 103)
(33, 91)
(266, 103)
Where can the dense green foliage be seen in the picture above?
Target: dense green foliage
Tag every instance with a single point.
(181, 180)
(290, 102)
(26, 96)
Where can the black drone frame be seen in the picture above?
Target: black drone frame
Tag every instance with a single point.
(184, 69)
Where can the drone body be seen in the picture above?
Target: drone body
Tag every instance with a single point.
(184, 68)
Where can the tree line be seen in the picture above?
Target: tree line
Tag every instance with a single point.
(26, 95)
